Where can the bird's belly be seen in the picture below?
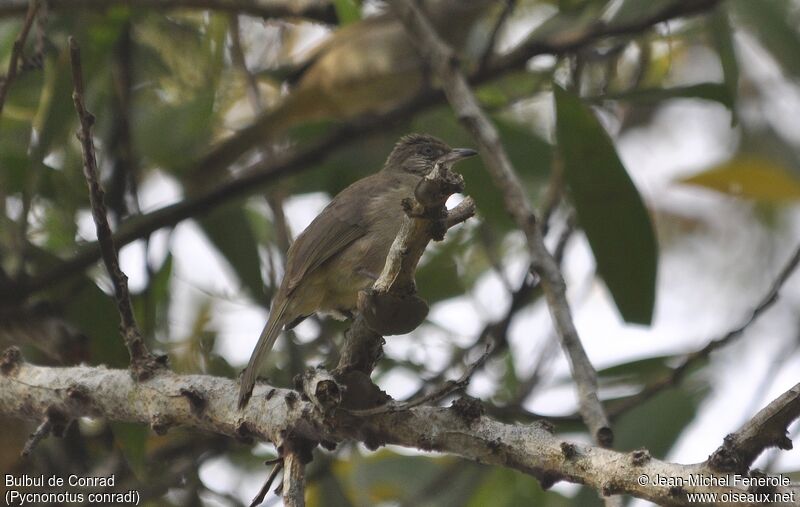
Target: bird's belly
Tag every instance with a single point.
(356, 268)
(333, 287)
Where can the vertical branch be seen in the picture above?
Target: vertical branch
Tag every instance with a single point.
(444, 64)
(294, 480)
(16, 51)
(143, 364)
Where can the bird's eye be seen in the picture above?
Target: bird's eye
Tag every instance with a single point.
(427, 151)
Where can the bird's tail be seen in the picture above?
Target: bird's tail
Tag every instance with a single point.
(265, 342)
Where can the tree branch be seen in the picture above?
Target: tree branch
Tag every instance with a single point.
(277, 467)
(294, 480)
(143, 364)
(449, 388)
(443, 62)
(29, 392)
(16, 51)
(561, 42)
(768, 428)
(319, 10)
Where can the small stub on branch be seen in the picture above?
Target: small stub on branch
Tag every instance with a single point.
(390, 314)
(322, 389)
(10, 361)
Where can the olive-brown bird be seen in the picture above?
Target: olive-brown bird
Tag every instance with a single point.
(344, 248)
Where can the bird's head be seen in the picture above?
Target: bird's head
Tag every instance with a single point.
(418, 153)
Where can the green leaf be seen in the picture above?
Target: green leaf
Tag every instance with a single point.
(671, 410)
(503, 487)
(568, 24)
(631, 12)
(101, 325)
(152, 305)
(609, 209)
(438, 278)
(771, 22)
(56, 120)
(716, 92)
(326, 492)
(167, 132)
(386, 477)
(511, 88)
(638, 371)
(132, 441)
(229, 230)
(751, 178)
(348, 11)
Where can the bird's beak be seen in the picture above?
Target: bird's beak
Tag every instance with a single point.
(457, 154)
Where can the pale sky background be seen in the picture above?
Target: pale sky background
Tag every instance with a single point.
(709, 278)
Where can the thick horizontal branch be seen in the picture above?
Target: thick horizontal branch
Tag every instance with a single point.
(208, 403)
(353, 131)
(163, 401)
(320, 10)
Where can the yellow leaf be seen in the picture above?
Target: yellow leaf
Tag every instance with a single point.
(751, 178)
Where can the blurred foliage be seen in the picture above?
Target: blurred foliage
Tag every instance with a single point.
(752, 178)
(610, 210)
(165, 87)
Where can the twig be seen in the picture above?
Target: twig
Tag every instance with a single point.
(53, 422)
(294, 480)
(391, 306)
(676, 375)
(461, 212)
(267, 484)
(463, 101)
(486, 57)
(42, 431)
(16, 51)
(447, 389)
(556, 44)
(497, 331)
(419, 228)
(237, 55)
(265, 172)
(143, 364)
(768, 428)
(319, 10)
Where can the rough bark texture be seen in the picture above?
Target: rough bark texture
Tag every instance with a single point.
(279, 415)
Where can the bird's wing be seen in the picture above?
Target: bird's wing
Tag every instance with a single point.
(338, 225)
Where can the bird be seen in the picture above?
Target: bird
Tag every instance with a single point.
(344, 248)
